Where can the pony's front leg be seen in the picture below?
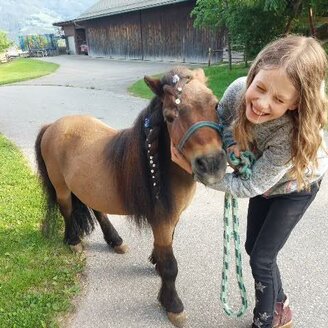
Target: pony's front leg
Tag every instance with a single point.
(111, 236)
(167, 268)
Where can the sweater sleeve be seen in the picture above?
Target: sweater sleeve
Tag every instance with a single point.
(227, 108)
(266, 172)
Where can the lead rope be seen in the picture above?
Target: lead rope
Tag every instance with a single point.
(243, 167)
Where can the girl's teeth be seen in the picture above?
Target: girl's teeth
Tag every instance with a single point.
(258, 112)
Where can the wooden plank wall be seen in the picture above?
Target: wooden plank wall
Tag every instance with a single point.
(157, 34)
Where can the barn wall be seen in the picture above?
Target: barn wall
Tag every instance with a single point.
(115, 36)
(158, 34)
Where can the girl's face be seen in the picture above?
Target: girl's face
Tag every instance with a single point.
(270, 96)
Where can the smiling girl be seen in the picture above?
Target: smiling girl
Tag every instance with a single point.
(278, 112)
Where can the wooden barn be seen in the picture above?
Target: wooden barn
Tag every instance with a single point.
(143, 30)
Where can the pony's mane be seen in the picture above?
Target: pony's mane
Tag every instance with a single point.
(127, 153)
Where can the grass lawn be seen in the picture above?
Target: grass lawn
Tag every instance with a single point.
(219, 77)
(22, 69)
(38, 276)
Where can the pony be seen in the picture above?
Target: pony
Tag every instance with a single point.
(90, 170)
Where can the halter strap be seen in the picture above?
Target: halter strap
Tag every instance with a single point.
(216, 126)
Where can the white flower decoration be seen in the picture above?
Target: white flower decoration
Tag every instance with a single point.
(175, 78)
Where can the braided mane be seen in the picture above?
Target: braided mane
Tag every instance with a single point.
(127, 153)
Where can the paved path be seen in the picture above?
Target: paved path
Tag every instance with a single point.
(121, 290)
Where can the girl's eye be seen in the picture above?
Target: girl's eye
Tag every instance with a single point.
(260, 88)
(279, 100)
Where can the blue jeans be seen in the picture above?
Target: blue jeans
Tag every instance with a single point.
(269, 224)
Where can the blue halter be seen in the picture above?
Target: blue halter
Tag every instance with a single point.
(216, 126)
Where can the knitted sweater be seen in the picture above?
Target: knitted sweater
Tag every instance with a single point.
(273, 152)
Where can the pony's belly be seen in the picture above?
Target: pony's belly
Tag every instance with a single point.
(97, 190)
(101, 201)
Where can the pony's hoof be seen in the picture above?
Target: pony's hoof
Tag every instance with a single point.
(121, 249)
(178, 319)
(78, 248)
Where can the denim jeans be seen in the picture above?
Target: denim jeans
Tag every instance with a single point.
(269, 224)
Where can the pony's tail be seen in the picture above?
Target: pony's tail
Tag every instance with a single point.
(81, 221)
(51, 210)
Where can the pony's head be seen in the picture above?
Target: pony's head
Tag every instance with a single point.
(188, 107)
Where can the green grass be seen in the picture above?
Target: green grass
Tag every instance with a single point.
(24, 69)
(140, 88)
(38, 276)
(219, 77)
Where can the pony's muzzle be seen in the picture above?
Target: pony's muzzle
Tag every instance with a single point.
(210, 168)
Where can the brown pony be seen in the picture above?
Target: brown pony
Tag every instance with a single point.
(90, 169)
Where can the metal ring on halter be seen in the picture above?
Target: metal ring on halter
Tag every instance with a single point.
(216, 126)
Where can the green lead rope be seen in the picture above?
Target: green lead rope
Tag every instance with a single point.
(243, 164)
(242, 167)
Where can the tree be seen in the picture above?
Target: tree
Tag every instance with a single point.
(251, 24)
(253, 27)
(246, 22)
(213, 14)
(5, 43)
(298, 11)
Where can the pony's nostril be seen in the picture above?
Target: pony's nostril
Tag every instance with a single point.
(211, 164)
(201, 164)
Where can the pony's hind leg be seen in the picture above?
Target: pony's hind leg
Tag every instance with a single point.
(71, 234)
(167, 267)
(77, 217)
(111, 236)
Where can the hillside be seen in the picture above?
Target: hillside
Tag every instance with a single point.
(36, 16)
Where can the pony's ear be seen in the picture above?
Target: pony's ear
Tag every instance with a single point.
(200, 75)
(169, 90)
(154, 85)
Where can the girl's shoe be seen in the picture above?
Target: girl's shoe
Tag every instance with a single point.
(282, 315)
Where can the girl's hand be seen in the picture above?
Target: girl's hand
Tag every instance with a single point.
(234, 149)
(179, 159)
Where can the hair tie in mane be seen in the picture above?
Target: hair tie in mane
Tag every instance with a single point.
(152, 157)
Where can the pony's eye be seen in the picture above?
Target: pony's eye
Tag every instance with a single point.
(169, 118)
(183, 111)
(169, 115)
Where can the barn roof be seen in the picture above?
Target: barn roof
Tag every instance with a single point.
(113, 7)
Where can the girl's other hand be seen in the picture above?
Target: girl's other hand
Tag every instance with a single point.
(179, 159)
(234, 149)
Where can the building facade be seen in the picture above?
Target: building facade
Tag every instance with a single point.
(142, 30)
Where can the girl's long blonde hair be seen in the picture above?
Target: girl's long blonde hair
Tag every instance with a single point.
(305, 63)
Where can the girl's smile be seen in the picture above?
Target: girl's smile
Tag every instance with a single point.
(269, 96)
(257, 112)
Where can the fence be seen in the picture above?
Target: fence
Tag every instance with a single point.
(39, 45)
(237, 56)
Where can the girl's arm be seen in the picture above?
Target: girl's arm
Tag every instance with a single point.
(227, 109)
(267, 171)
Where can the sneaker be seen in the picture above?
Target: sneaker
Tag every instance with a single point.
(282, 315)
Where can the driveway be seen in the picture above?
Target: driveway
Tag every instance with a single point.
(120, 290)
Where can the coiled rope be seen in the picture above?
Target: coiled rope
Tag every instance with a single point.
(243, 167)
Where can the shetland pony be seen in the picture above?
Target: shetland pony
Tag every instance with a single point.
(90, 170)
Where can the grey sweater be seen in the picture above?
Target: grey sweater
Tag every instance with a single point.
(273, 152)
